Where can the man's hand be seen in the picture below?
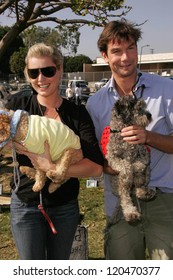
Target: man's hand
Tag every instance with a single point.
(134, 134)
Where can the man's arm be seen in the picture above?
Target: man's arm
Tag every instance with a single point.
(139, 135)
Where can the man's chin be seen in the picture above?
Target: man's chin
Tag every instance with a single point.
(127, 73)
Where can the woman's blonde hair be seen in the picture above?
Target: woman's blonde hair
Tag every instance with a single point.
(42, 50)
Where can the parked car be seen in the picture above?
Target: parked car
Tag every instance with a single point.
(25, 87)
(100, 84)
(24, 92)
(170, 77)
(4, 93)
(7, 86)
(79, 83)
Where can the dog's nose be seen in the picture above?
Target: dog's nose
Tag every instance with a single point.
(149, 115)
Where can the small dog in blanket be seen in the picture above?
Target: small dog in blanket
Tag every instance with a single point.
(33, 131)
(131, 161)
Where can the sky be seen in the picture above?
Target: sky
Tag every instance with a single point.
(157, 32)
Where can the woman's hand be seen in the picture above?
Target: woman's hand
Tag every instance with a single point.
(82, 169)
(42, 161)
(134, 134)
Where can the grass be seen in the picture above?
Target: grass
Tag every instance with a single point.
(91, 209)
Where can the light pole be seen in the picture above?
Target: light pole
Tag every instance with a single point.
(141, 54)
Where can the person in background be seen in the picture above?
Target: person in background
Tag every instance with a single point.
(32, 233)
(129, 241)
(78, 94)
(69, 93)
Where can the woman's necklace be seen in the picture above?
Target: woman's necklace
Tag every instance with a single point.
(49, 113)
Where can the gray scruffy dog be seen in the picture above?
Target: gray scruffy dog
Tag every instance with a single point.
(132, 161)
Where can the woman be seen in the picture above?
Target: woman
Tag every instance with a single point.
(32, 232)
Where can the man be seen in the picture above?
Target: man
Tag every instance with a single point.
(123, 240)
(78, 94)
(69, 93)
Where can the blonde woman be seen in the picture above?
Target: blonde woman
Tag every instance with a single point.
(32, 232)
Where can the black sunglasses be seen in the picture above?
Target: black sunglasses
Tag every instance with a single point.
(46, 71)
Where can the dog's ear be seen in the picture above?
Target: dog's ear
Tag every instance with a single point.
(140, 104)
(124, 104)
(118, 107)
(4, 127)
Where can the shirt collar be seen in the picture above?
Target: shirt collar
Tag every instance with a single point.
(15, 121)
(144, 80)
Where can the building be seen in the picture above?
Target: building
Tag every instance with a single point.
(161, 64)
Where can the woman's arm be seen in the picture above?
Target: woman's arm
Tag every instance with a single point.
(108, 170)
(85, 168)
(82, 169)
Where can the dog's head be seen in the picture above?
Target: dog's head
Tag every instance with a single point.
(131, 111)
(4, 128)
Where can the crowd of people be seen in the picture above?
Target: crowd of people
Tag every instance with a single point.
(122, 240)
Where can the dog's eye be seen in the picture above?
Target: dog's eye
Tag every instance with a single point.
(141, 112)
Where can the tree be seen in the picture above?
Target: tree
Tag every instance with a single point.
(17, 43)
(17, 61)
(62, 37)
(38, 34)
(75, 64)
(29, 13)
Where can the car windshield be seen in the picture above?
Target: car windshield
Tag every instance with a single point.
(81, 84)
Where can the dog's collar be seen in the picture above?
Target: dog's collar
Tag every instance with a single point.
(2, 112)
(114, 131)
(14, 123)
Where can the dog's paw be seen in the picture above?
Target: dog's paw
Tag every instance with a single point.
(145, 193)
(28, 171)
(132, 216)
(37, 187)
(55, 176)
(53, 187)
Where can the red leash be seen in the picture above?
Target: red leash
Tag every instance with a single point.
(41, 208)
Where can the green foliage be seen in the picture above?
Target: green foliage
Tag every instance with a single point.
(37, 34)
(62, 38)
(75, 64)
(69, 38)
(100, 10)
(17, 61)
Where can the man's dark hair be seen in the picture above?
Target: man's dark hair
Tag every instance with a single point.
(119, 30)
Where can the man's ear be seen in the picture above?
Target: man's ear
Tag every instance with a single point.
(104, 55)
